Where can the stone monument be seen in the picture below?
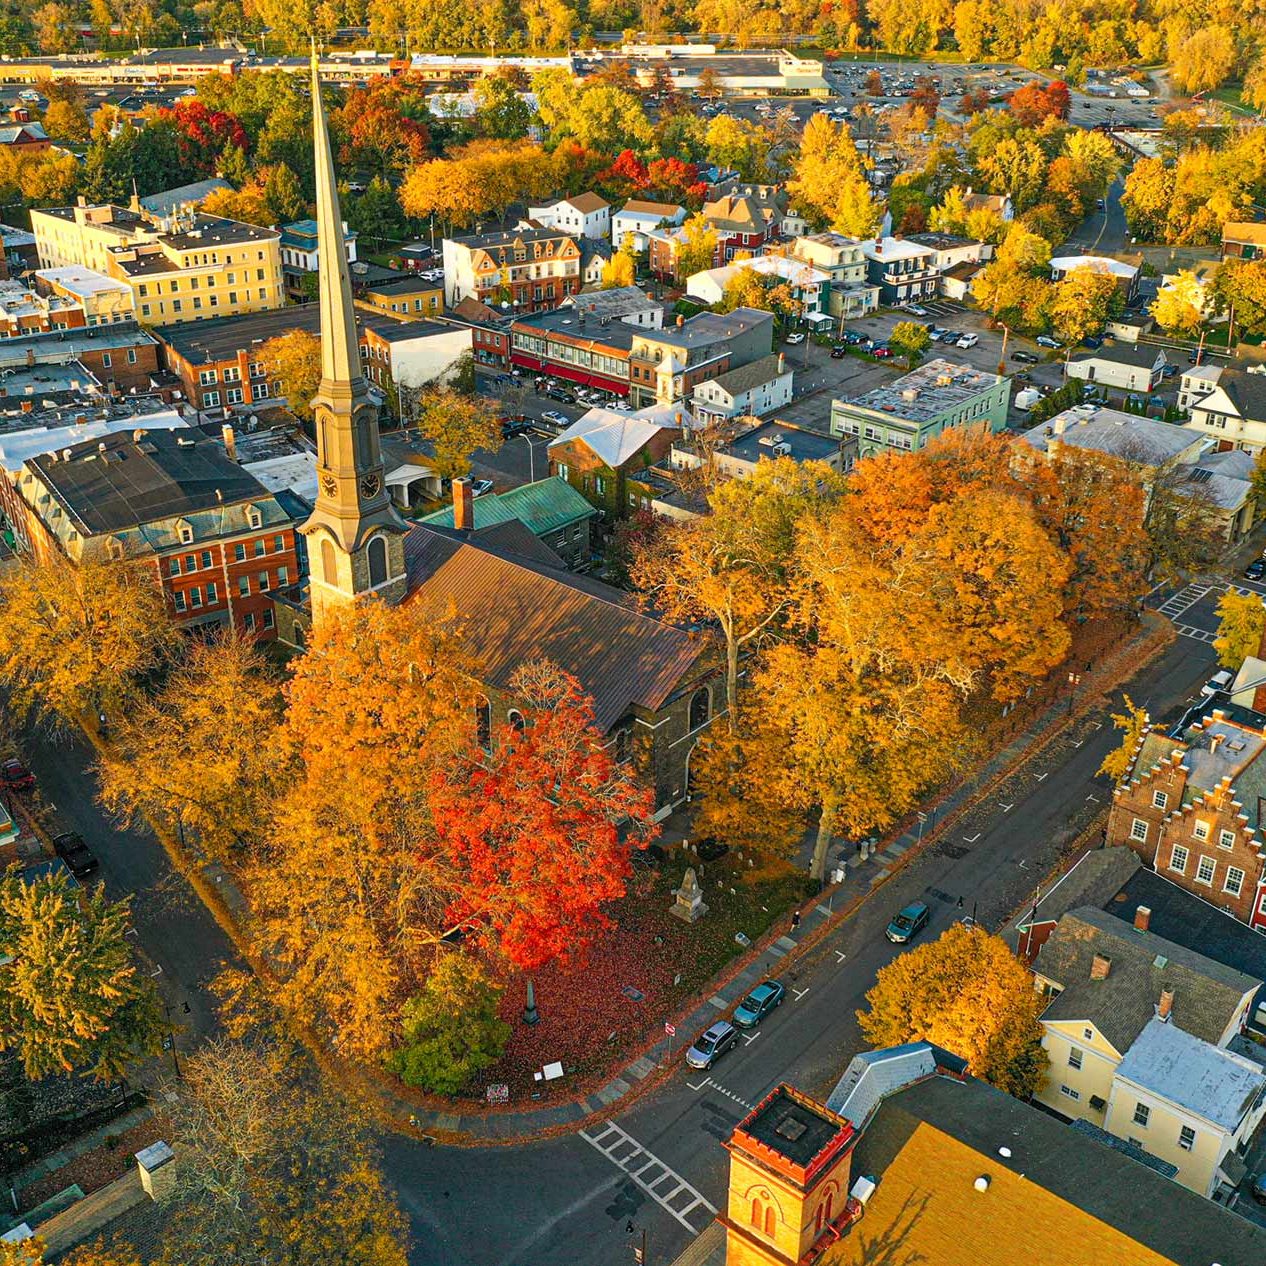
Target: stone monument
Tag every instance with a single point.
(689, 906)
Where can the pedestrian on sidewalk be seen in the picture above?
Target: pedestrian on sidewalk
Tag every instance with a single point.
(795, 920)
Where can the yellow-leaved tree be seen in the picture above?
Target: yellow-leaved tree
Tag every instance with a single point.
(294, 360)
(1132, 723)
(1241, 623)
(968, 993)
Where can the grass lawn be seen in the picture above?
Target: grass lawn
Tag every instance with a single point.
(587, 1006)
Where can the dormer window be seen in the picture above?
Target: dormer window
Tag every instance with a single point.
(185, 532)
(253, 516)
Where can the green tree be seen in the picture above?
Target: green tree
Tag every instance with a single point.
(909, 339)
(500, 111)
(1240, 286)
(1241, 623)
(966, 992)
(734, 143)
(71, 998)
(283, 195)
(451, 1029)
(1082, 304)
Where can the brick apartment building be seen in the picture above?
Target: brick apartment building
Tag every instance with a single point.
(1192, 808)
(220, 543)
(532, 269)
(220, 367)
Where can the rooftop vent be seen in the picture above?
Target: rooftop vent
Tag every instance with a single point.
(790, 1128)
(982, 1183)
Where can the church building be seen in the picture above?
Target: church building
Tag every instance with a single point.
(655, 687)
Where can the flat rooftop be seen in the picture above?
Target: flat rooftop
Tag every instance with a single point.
(926, 392)
(568, 322)
(793, 1128)
(806, 446)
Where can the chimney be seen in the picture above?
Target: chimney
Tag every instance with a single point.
(1215, 741)
(681, 320)
(1165, 1005)
(137, 436)
(782, 362)
(463, 505)
(1100, 966)
(157, 1167)
(230, 442)
(1059, 424)
(27, 406)
(1142, 919)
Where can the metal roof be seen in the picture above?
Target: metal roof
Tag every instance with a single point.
(543, 507)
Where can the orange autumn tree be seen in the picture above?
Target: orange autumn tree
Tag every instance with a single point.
(340, 904)
(532, 832)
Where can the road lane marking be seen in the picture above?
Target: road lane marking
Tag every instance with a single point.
(749, 1038)
(800, 993)
(1094, 798)
(1006, 808)
(608, 1138)
(971, 839)
(700, 1086)
(1041, 777)
(840, 956)
(729, 1094)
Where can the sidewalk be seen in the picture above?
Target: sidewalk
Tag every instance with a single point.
(836, 904)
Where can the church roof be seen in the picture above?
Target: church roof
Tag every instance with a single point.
(513, 610)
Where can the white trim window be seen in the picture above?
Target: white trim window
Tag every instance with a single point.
(1178, 860)
(1186, 1138)
(1200, 830)
(1160, 799)
(1206, 868)
(1234, 883)
(1138, 830)
(1226, 839)
(1069, 1092)
(1075, 1055)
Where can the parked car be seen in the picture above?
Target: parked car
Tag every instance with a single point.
(881, 351)
(854, 338)
(1254, 571)
(519, 424)
(481, 488)
(1258, 1188)
(759, 1003)
(1219, 683)
(1195, 358)
(557, 393)
(968, 340)
(1045, 340)
(560, 420)
(915, 310)
(839, 351)
(70, 847)
(16, 775)
(1092, 341)
(909, 921)
(1025, 358)
(709, 1046)
(1168, 370)
(795, 339)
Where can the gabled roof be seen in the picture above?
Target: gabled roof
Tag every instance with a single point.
(651, 210)
(1142, 355)
(1116, 433)
(1251, 231)
(753, 374)
(1247, 392)
(513, 611)
(587, 203)
(1095, 263)
(171, 199)
(1207, 995)
(617, 438)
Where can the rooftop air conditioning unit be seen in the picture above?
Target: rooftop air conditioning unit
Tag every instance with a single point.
(782, 449)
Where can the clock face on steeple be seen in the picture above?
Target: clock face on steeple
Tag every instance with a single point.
(370, 484)
(329, 485)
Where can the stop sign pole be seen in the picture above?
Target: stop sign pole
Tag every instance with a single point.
(671, 1030)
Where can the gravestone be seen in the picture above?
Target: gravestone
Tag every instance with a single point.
(689, 906)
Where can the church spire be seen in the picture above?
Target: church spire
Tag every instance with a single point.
(340, 355)
(355, 533)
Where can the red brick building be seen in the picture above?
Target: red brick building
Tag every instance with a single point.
(1192, 808)
(220, 543)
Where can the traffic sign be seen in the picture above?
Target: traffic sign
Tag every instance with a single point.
(670, 1029)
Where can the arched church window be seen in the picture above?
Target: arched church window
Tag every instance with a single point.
(377, 562)
(515, 717)
(700, 708)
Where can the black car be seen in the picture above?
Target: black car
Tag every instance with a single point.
(563, 397)
(70, 847)
(839, 351)
(1255, 570)
(1025, 358)
(1195, 358)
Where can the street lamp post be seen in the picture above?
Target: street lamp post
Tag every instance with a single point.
(1074, 680)
(531, 458)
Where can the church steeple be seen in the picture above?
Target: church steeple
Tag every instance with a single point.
(355, 533)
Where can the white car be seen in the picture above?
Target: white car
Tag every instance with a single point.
(968, 340)
(795, 339)
(560, 420)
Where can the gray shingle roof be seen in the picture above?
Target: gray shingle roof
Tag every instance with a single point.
(513, 611)
(1206, 994)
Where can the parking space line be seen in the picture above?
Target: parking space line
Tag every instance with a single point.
(665, 1201)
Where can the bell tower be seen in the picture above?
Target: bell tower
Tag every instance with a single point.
(355, 534)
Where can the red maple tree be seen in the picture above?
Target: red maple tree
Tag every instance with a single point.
(626, 175)
(536, 833)
(1033, 103)
(678, 178)
(204, 134)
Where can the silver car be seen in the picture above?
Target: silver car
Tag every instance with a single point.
(709, 1046)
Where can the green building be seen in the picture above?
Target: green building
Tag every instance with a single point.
(906, 414)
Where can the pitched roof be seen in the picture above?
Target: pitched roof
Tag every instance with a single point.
(1143, 355)
(588, 202)
(169, 200)
(1215, 1084)
(617, 438)
(1246, 391)
(513, 611)
(1207, 995)
(1057, 1198)
(542, 507)
(736, 381)
(659, 210)
(1253, 231)
(1095, 263)
(1112, 431)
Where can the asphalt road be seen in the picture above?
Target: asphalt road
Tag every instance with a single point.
(570, 1200)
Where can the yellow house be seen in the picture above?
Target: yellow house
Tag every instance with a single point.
(185, 266)
(1107, 982)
